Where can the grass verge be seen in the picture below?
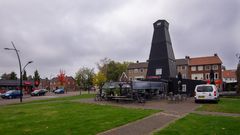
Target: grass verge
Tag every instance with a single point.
(64, 118)
(195, 124)
(226, 105)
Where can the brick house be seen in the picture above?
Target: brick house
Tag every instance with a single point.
(137, 71)
(229, 80)
(199, 68)
(70, 83)
(183, 67)
(229, 76)
(44, 83)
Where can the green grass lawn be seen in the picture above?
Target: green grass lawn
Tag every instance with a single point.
(64, 117)
(227, 105)
(195, 124)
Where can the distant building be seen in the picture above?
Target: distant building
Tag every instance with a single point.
(70, 83)
(28, 86)
(183, 67)
(137, 71)
(199, 68)
(44, 84)
(123, 77)
(229, 76)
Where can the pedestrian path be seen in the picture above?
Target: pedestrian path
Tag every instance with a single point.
(144, 126)
(171, 112)
(217, 113)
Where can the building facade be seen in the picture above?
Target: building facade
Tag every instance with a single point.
(197, 68)
(70, 83)
(183, 67)
(229, 76)
(137, 71)
(200, 67)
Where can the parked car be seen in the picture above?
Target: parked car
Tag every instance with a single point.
(206, 92)
(2, 92)
(40, 92)
(59, 91)
(11, 94)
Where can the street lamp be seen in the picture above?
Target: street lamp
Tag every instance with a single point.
(20, 67)
(29, 62)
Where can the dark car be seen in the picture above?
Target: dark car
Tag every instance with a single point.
(2, 92)
(40, 92)
(11, 94)
(59, 91)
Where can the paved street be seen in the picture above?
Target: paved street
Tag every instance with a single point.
(28, 98)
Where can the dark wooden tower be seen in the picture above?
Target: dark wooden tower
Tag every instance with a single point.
(162, 64)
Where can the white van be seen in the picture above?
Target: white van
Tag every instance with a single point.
(206, 92)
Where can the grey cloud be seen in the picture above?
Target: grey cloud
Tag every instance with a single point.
(67, 35)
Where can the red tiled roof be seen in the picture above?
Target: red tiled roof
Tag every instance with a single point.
(209, 60)
(229, 74)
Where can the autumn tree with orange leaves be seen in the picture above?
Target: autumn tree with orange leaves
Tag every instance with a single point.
(61, 78)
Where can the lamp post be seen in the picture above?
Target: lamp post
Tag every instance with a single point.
(20, 66)
(29, 62)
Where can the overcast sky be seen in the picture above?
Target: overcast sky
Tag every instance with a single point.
(70, 34)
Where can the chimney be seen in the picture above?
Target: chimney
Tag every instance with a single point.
(137, 61)
(215, 54)
(187, 57)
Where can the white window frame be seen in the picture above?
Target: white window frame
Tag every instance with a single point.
(184, 88)
(193, 68)
(207, 76)
(200, 68)
(184, 76)
(135, 70)
(216, 76)
(209, 67)
(215, 67)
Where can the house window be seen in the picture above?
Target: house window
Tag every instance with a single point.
(184, 88)
(183, 67)
(208, 67)
(141, 70)
(215, 67)
(215, 75)
(207, 76)
(184, 76)
(200, 68)
(197, 76)
(193, 68)
(135, 70)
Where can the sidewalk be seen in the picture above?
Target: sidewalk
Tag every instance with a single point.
(217, 113)
(144, 126)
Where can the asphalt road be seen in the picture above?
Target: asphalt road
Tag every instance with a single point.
(28, 98)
